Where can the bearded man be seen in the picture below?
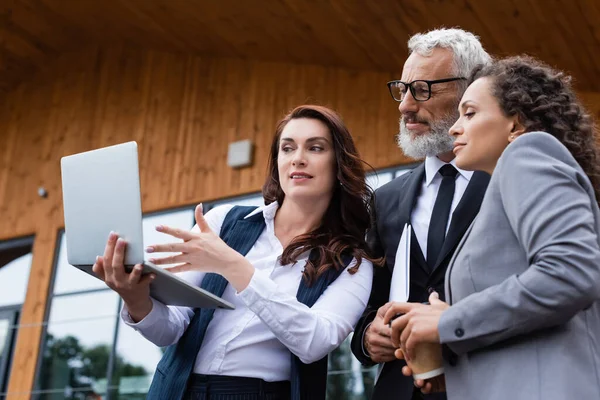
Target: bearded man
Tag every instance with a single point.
(436, 198)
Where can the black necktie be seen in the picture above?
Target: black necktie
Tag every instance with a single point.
(440, 215)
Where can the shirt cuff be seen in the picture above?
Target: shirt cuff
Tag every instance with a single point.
(362, 341)
(259, 290)
(149, 320)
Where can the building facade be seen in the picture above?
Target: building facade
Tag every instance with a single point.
(184, 80)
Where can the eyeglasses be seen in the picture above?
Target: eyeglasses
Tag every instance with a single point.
(420, 89)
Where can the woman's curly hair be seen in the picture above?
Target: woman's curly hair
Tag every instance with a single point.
(544, 100)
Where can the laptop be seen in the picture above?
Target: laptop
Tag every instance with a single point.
(101, 193)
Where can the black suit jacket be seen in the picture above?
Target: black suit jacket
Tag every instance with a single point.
(394, 203)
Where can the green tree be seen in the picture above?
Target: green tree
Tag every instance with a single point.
(68, 365)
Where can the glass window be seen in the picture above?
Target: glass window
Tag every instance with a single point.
(251, 200)
(14, 277)
(402, 171)
(183, 219)
(86, 345)
(4, 327)
(135, 362)
(71, 279)
(136, 357)
(379, 179)
(78, 345)
(346, 377)
(90, 353)
(8, 320)
(15, 266)
(257, 200)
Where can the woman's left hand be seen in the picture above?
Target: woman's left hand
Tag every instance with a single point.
(204, 251)
(417, 324)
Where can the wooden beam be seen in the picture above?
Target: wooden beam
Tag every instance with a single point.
(27, 345)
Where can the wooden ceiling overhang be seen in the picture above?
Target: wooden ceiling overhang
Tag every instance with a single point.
(353, 34)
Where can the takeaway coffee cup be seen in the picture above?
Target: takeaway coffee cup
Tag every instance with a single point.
(427, 361)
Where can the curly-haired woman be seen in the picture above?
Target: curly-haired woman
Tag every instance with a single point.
(524, 285)
(297, 270)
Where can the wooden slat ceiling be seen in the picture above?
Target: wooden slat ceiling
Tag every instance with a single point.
(355, 34)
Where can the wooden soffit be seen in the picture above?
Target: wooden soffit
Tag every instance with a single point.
(354, 34)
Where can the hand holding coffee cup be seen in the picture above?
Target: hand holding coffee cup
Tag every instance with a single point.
(427, 361)
(415, 332)
(433, 385)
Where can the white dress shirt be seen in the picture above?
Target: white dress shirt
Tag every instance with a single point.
(421, 213)
(256, 338)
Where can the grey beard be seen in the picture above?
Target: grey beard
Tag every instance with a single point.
(437, 141)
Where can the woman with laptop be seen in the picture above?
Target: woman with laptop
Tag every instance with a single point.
(524, 285)
(297, 270)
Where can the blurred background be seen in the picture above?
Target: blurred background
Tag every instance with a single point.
(190, 80)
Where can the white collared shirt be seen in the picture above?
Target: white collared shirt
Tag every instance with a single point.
(421, 213)
(256, 338)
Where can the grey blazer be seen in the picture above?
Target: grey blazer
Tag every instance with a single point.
(524, 283)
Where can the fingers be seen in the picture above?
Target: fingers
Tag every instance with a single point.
(179, 268)
(141, 279)
(109, 250)
(118, 260)
(378, 343)
(406, 371)
(135, 275)
(376, 340)
(178, 233)
(435, 384)
(167, 248)
(98, 267)
(202, 224)
(380, 329)
(179, 258)
(409, 341)
(420, 383)
(428, 388)
(400, 355)
(398, 308)
(383, 309)
(434, 298)
(425, 386)
(398, 329)
(382, 357)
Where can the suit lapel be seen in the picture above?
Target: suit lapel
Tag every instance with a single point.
(464, 213)
(408, 194)
(461, 243)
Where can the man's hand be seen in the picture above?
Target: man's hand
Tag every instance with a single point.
(377, 339)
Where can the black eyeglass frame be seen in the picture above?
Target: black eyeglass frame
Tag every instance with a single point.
(412, 90)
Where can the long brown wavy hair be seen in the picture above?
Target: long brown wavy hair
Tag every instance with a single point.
(347, 218)
(543, 100)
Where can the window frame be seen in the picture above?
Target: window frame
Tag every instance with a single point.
(15, 248)
(11, 313)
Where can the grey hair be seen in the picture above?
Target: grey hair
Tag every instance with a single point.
(465, 46)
